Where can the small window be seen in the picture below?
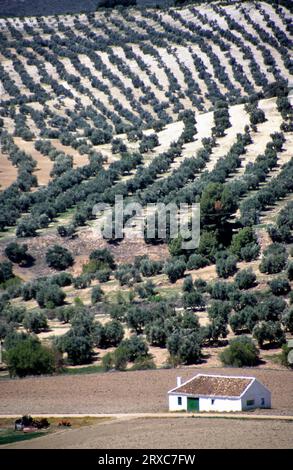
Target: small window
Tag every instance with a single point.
(213, 401)
(179, 400)
(250, 402)
(262, 403)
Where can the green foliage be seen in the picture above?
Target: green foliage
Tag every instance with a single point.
(103, 259)
(58, 257)
(135, 347)
(147, 290)
(193, 299)
(50, 295)
(185, 346)
(197, 261)
(244, 319)
(13, 313)
(245, 245)
(290, 271)
(208, 246)
(137, 317)
(17, 253)
(109, 335)
(143, 363)
(271, 308)
(216, 205)
(274, 259)
(269, 331)
(280, 286)
(77, 347)
(127, 274)
(29, 357)
(35, 321)
(221, 290)
(175, 269)
(287, 320)
(97, 294)
(226, 264)
(149, 267)
(245, 279)
(241, 352)
(65, 314)
(6, 272)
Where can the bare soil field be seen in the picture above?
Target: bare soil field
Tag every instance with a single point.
(44, 164)
(170, 433)
(125, 392)
(8, 172)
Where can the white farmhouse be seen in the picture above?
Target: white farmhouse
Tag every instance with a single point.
(219, 393)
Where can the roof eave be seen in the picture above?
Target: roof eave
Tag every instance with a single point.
(234, 397)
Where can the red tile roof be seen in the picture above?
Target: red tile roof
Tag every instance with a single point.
(214, 385)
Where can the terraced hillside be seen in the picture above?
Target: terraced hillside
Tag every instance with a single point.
(183, 105)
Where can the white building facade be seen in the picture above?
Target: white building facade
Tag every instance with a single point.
(219, 393)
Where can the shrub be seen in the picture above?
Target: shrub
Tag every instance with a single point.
(221, 290)
(244, 244)
(137, 317)
(271, 308)
(241, 352)
(112, 334)
(108, 362)
(13, 313)
(82, 282)
(245, 279)
(58, 257)
(6, 272)
(77, 346)
(35, 321)
(187, 284)
(226, 265)
(17, 253)
(269, 331)
(184, 345)
(103, 275)
(29, 357)
(50, 296)
(127, 274)
(143, 363)
(65, 314)
(197, 261)
(290, 271)
(103, 258)
(193, 299)
(97, 294)
(150, 268)
(287, 320)
(175, 270)
(135, 346)
(156, 333)
(26, 227)
(116, 360)
(274, 260)
(280, 286)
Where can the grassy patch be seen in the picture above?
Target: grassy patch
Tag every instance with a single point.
(8, 436)
(82, 370)
(274, 358)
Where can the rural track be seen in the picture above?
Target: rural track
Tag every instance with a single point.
(130, 416)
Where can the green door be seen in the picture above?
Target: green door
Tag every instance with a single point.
(192, 404)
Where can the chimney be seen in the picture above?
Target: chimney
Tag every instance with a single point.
(179, 381)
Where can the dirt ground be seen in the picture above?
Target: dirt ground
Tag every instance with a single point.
(171, 433)
(125, 392)
(8, 172)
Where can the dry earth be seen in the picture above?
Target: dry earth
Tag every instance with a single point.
(125, 392)
(168, 433)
